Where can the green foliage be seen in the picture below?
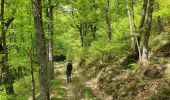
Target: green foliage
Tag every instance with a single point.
(165, 90)
(68, 14)
(22, 89)
(119, 9)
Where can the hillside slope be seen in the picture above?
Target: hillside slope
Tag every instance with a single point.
(137, 82)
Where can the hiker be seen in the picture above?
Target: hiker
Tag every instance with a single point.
(68, 72)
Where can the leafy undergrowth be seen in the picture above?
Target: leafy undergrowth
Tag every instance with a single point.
(22, 89)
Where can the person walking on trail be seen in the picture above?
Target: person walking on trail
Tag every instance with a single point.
(68, 72)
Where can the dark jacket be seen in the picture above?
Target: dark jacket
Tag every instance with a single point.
(69, 67)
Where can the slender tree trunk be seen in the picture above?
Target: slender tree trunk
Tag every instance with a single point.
(147, 32)
(7, 77)
(131, 24)
(160, 27)
(81, 36)
(41, 49)
(0, 76)
(32, 75)
(31, 67)
(133, 15)
(50, 42)
(130, 21)
(93, 30)
(142, 20)
(159, 22)
(145, 3)
(80, 28)
(108, 20)
(19, 72)
(93, 25)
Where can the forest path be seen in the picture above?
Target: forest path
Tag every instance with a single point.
(79, 89)
(76, 90)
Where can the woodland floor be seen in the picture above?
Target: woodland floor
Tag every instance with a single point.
(79, 89)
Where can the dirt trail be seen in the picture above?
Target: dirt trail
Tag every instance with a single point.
(70, 87)
(70, 92)
(93, 85)
(78, 89)
(81, 84)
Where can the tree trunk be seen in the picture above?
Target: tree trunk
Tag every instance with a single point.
(160, 27)
(7, 77)
(93, 30)
(130, 22)
(80, 28)
(81, 36)
(32, 75)
(130, 12)
(41, 49)
(20, 74)
(50, 42)
(142, 20)
(93, 25)
(133, 15)
(108, 20)
(147, 32)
